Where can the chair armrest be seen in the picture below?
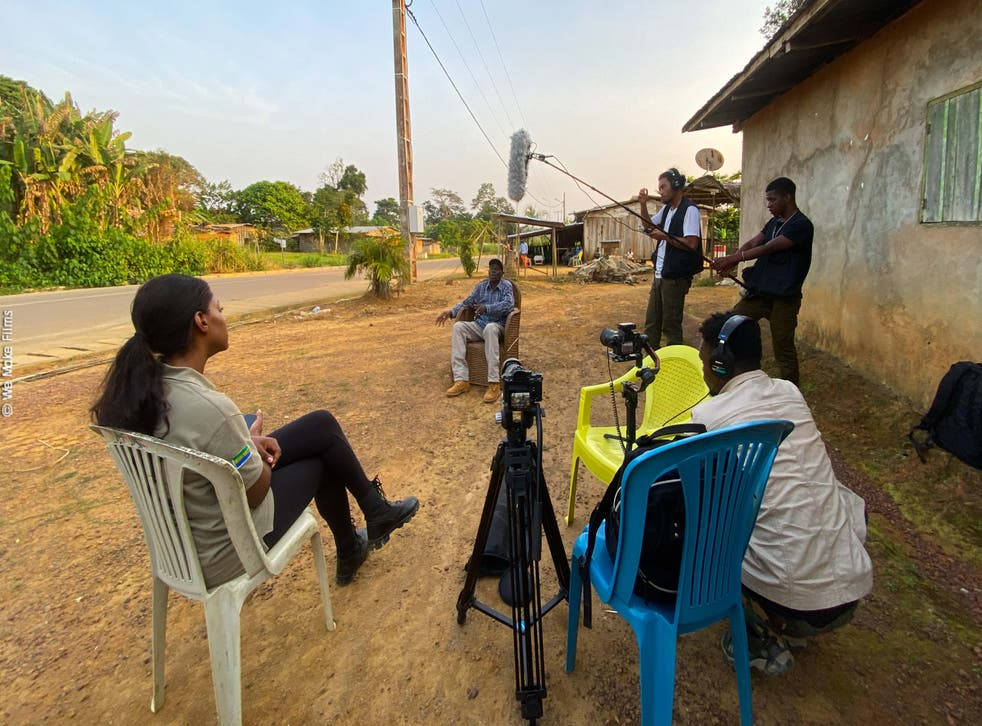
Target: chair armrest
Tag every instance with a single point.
(588, 392)
(511, 328)
(465, 315)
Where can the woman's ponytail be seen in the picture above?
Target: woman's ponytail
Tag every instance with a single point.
(132, 396)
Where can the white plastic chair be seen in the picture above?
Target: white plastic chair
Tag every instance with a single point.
(153, 471)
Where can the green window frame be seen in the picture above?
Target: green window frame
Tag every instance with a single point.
(952, 179)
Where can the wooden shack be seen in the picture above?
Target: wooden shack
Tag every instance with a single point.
(609, 229)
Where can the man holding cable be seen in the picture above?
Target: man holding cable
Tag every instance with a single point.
(675, 263)
(783, 250)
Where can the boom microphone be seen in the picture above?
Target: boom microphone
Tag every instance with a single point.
(518, 164)
(518, 168)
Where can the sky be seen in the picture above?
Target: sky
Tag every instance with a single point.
(247, 91)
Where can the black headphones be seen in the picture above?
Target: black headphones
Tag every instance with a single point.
(723, 356)
(675, 178)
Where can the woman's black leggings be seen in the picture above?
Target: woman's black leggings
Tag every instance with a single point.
(316, 463)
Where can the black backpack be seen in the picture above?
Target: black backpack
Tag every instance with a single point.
(664, 526)
(954, 421)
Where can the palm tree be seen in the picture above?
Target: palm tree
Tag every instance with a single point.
(380, 259)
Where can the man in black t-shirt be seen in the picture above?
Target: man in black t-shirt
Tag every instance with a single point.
(783, 250)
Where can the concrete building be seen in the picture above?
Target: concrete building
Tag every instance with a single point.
(873, 109)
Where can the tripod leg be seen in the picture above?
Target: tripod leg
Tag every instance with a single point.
(466, 597)
(553, 537)
(524, 519)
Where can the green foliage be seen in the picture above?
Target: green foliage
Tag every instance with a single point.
(465, 251)
(81, 250)
(447, 232)
(726, 226)
(444, 204)
(331, 211)
(292, 260)
(386, 212)
(487, 202)
(704, 279)
(216, 201)
(273, 206)
(225, 255)
(461, 235)
(77, 207)
(18, 95)
(777, 15)
(352, 180)
(381, 259)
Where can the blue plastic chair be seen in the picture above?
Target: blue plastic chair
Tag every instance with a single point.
(723, 475)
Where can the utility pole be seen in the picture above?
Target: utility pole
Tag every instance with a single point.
(404, 137)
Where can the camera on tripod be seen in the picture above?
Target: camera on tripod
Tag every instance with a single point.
(517, 512)
(625, 343)
(521, 391)
(521, 388)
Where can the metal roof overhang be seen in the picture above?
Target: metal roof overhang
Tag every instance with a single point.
(529, 220)
(817, 34)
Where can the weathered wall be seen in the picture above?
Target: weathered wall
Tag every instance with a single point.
(899, 299)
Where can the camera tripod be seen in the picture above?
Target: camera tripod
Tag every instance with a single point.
(517, 464)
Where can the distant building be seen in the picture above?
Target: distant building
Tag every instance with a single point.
(237, 232)
(611, 230)
(308, 240)
(874, 109)
(426, 246)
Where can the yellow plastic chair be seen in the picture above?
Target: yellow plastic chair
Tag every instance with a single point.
(678, 386)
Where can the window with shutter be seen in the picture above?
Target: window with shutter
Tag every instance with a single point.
(952, 183)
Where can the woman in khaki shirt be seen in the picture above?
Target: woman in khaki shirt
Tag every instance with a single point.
(156, 386)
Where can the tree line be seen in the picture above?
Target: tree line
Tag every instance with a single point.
(78, 207)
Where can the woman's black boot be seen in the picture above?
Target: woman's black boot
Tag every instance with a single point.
(384, 517)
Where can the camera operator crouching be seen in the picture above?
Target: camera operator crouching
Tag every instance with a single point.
(806, 568)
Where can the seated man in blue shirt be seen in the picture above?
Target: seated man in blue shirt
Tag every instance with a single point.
(491, 300)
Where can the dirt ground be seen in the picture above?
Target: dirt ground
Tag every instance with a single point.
(75, 581)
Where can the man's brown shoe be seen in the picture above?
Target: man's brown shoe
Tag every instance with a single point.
(458, 387)
(493, 393)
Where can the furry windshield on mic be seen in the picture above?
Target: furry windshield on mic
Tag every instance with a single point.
(521, 142)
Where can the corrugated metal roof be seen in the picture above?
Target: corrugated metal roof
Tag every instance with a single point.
(820, 32)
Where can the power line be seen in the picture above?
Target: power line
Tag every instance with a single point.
(595, 202)
(548, 187)
(467, 66)
(505, 67)
(459, 94)
(481, 55)
(484, 133)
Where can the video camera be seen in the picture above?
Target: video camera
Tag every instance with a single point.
(625, 343)
(521, 391)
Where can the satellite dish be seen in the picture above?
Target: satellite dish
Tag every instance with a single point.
(709, 159)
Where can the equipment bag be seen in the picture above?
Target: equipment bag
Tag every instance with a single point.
(954, 421)
(664, 526)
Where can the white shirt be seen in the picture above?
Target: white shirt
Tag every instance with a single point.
(690, 227)
(806, 551)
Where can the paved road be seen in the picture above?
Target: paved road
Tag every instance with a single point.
(50, 326)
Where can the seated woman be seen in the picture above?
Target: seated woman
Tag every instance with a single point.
(156, 386)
